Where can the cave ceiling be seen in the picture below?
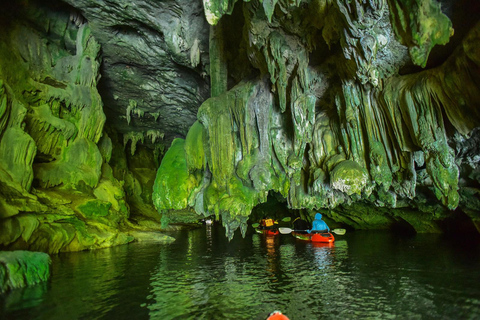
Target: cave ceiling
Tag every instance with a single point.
(155, 55)
(322, 104)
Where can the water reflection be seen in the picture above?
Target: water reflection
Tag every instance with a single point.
(25, 297)
(272, 257)
(208, 236)
(323, 254)
(203, 276)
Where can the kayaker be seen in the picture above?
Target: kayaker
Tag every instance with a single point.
(277, 315)
(300, 225)
(267, 223)
(318, 225)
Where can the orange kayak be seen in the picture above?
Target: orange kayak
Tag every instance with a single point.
(268, 232)
(326, 237)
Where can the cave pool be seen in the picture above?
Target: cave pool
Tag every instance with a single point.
(364, 275)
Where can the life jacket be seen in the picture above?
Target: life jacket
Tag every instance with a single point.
(267, 222)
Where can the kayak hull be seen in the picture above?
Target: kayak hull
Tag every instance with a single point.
(268, 232)
(302, 236)
(315, 237)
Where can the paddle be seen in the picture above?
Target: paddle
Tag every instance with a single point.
(288, 231)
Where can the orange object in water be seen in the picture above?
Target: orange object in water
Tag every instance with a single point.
(324, 237)
(268, 222)
(277, 315)
(272, 232)
(268, 232)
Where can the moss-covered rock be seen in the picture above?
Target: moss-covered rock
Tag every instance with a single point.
(23, 268)
(349, 177)
(421, 25)
(145, 236)
(307, 102)
(94, 209)
(342, 129)
(194, 149)
(81, 162)
(51, 124)
(173, 184)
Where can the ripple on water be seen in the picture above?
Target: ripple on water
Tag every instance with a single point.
(203, 276)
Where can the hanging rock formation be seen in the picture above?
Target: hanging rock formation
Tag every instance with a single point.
(120, 117)
(326, 120)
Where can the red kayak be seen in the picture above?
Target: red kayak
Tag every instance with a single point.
(315, 237)
(268, 232)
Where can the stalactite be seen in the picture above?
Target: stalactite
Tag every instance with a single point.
(218, 63)
(363, 127)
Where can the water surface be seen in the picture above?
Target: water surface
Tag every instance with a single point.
(364, 275)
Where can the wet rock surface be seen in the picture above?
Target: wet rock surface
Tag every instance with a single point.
(127, 115)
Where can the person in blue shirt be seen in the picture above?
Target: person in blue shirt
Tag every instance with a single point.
(318, 225)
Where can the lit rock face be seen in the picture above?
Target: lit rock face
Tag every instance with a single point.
(347, 107)
(326, 120)
(20, 269)
(58, 190)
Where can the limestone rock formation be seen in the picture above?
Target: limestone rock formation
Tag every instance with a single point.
(23, 268)
(326, 120)
(58, 190)
(153, 75)
(118, 117)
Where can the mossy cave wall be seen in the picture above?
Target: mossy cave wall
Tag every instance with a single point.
(328, 115)
(119, 117)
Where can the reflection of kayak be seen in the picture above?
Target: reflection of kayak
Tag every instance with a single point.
(315, 237)
(268, 232)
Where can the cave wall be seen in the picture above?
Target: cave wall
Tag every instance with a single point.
(331, 118)
(66, 180)
(119, 117)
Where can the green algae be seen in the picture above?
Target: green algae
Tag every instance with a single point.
(81, 161)
(18, 161)
(334, 140)
(421, 25)
(93, 209)
(194, 151)
(173, 183)
(349, 177)
(23, 268)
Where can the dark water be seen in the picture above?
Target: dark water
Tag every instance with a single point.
(202, 276)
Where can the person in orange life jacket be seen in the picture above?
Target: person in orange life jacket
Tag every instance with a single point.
(267, 223)
(300, 225)
(318, 225)
(277, 315)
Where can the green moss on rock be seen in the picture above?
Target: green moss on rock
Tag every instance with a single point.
(80, 162)
(173, 184)
(421, 25)
(349, 177)
(23, 268)
(94, 209)
(194, 150)
(17, 152)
